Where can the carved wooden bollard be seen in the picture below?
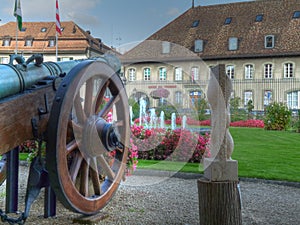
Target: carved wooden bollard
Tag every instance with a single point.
(219, 197)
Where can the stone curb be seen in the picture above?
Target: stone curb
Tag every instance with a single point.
(182, 175)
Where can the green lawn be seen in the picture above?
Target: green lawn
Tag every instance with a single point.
(261, 154)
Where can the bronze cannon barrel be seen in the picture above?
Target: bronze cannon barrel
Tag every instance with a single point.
(17, 78)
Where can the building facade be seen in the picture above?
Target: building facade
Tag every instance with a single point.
(258, 41)
(40, 37)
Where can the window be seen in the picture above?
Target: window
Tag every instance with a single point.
(230, 71)
(178, 97)
(28, 42)
(195, 74)
(147, 74)
(259, 18)
(233, 43)
(296, 15)
(51, 43)
(63, 59)
(198, 46)
(162, 73)
(293, 99)
(166, 47)
(269, 41)
(4, 60)
(288, 70)
(178, 73)
(249, 71)
(267, 97)
(132, 74)
(195, 23)
(227, 20)
(6, 42)
(247, 97)
(268, 71)
(43, 29)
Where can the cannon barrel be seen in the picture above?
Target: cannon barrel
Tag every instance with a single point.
(17, 78)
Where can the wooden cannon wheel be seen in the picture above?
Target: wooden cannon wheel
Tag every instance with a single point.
(86, 155)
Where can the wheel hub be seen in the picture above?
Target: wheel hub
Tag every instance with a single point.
(98, 133)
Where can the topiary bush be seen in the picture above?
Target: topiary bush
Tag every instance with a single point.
(278, 116)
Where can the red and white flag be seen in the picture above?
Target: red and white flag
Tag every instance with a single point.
(58, 27)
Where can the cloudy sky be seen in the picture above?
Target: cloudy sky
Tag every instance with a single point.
(116, 22)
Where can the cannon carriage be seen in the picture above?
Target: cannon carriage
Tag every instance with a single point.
(63, 104)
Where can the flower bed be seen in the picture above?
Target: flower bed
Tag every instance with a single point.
(166, 144)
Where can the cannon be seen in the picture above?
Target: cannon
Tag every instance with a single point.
(66, 104)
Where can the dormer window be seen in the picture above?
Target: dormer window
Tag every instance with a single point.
(296, 15)
(233, 44)
(166, 47)
(259, 18)
(195, 23)
(269, 41)
(28, 41)
(6, 41)
(228, 20)
(198, 46)
(51, 43)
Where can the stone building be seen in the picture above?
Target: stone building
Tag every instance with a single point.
(258, 41)
(39, 37)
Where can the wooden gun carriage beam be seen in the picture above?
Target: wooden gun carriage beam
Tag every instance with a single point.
(64, 104)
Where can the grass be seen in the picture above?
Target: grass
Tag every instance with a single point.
(273, 155)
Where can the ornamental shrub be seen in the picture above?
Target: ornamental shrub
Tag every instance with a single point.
(278, 116)
(177, 145)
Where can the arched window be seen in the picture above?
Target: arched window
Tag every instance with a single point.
(178, 73)
(249, 71)
(162, 74)
(132, 74)
(268, 71)
(195, 73)
(178, 97)
(288, 70)
(230, 71)
(147, 74)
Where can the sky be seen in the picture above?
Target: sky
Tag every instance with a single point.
(117, 23)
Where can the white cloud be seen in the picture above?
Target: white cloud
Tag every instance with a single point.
(173, 12)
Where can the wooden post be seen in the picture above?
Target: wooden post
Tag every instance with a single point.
(219, 197)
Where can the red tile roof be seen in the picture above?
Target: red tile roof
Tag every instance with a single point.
(73, 38)
(277, 20)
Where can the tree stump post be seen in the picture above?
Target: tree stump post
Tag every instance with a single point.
(219, 196)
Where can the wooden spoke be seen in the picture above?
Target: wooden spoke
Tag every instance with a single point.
(71, 146)
(84, 178)
(81, 117)
(100, 97)
(95, 177)
(75, 166)
(88, 98)
(109, 106)
(106, 168)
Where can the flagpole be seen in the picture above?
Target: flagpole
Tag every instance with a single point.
(56, 43)
(17, 33)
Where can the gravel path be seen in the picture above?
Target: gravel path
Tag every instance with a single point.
(159, 199)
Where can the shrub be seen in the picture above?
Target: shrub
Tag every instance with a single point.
(278, 116)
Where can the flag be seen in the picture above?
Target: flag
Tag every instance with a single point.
(58, 27)
(18, 13)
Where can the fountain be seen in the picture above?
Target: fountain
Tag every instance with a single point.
(162, 119)
(173, 121)
(153, 118)
(183, 124)
(143, 115)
